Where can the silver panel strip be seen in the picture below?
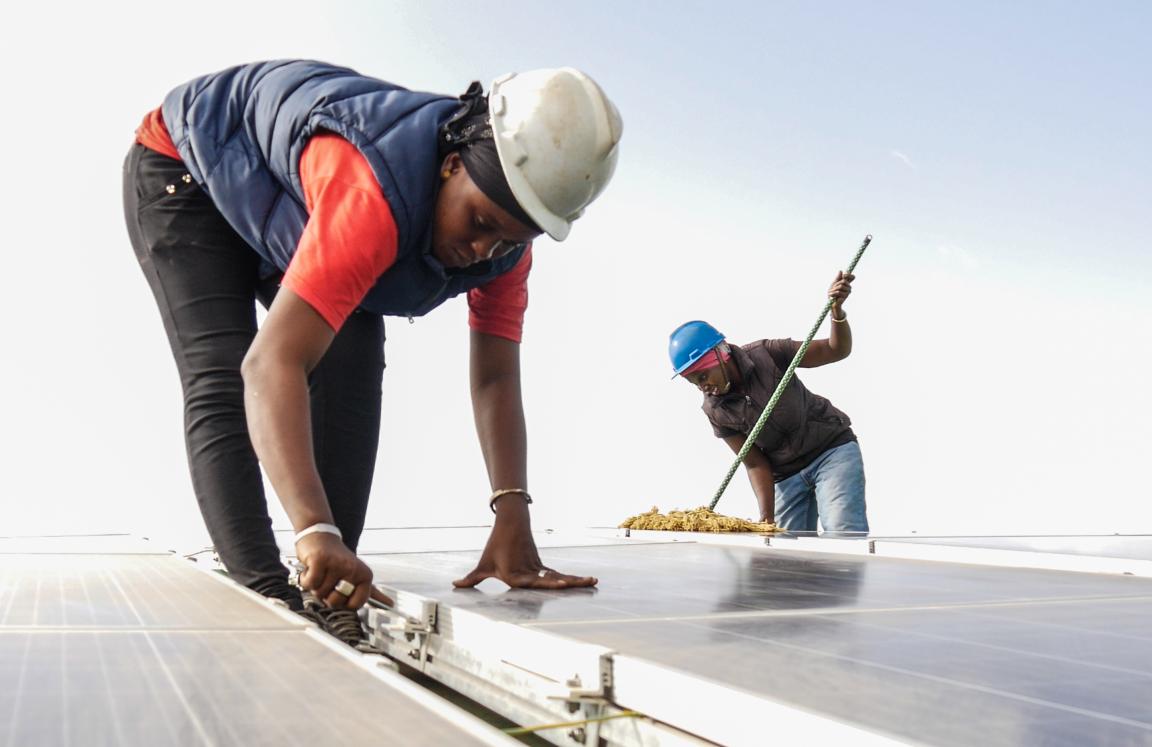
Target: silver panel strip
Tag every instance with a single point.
(1015, 558)
(724, 714)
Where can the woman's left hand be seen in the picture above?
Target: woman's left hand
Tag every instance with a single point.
(841, 288)
(511, 555)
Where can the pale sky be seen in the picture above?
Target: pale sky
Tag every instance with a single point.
(999, 156)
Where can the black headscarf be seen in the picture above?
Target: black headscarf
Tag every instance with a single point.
(469, 131)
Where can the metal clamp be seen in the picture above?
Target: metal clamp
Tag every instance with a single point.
(402, 629)
(589, 698)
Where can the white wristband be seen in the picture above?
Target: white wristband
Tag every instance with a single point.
(321, 527)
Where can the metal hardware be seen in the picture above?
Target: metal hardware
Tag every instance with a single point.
(404, 628)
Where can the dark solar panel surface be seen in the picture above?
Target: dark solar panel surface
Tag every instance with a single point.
(142, 649)
(937, 653)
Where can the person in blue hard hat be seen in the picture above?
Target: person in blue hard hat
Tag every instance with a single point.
(806, 466)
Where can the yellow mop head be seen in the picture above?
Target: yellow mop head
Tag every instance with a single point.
(697, 520)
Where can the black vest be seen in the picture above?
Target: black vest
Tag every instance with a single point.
(801, 427)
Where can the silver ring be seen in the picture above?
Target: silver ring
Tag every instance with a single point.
(344, 587)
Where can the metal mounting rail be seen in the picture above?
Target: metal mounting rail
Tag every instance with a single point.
(530, 677)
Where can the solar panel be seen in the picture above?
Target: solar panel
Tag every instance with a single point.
(935, 653)
(138, 648)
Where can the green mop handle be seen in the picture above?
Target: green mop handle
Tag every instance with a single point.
(751, 441)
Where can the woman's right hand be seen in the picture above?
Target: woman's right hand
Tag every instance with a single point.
(327, 562)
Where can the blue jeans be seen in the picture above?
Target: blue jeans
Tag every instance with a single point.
(831, 488)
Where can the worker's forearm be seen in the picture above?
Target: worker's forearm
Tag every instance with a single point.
(764, 486)
(840, 336)
(499, 414)
(498, 408)
(279, 423)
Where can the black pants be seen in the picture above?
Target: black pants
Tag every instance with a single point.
(206, 281)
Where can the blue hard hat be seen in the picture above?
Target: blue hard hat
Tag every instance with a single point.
(690, 342)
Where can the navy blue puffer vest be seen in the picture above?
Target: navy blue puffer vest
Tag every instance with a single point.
(241, 132)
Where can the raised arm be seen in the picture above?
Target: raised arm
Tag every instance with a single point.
(838, 345)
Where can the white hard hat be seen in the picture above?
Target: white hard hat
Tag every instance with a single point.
(557, 135)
